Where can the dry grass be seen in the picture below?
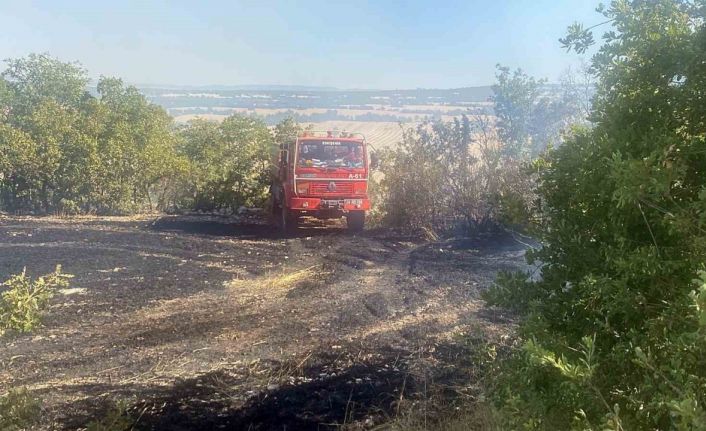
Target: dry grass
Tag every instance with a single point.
(380, 134)
(481, 417)
(281, 281)
(289, 279)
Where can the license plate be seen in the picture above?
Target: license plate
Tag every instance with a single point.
(331, 203)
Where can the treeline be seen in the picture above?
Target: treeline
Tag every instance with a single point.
(329, 115)
(303, 98)
(65, 150)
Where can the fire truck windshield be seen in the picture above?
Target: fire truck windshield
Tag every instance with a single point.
(331, 154)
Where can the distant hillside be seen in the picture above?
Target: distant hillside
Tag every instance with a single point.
(210, 88)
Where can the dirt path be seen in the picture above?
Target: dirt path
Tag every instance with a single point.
(201, 323)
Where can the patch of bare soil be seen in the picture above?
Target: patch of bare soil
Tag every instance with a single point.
(214, 323)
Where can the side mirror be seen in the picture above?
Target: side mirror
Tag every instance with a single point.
(283, 157)
(374, 161)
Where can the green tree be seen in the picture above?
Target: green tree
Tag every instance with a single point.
(229, 162)
(614, 329)
(202, 143)
(19, 161)
(533, 115)
(68, 151)
(287, 130)
(516, 100)
(5, 99)
(136, 145)
(250, 146)
(42, 98)
(39, 77)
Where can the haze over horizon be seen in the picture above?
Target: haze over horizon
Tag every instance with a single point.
(345, 45)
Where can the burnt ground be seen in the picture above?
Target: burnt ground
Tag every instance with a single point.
(211, 323)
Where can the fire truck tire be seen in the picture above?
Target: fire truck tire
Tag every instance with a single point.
(356, 220)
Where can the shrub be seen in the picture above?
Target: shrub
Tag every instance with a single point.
(21, 304)
(115, 419)
(445, 176)
(24, 299)
(18, 410)
(229, 163)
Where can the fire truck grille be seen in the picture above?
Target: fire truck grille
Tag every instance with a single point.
(331, 188)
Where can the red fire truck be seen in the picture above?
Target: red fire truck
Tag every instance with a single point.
(323, 175)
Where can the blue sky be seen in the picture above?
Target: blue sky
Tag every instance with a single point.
(345, 44)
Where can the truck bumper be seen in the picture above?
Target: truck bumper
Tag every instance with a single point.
(327, 204)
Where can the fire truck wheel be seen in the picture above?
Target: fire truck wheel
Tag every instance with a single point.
(356, 220)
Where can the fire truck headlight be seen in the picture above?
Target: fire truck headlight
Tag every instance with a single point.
(303, 188)
(305, 204)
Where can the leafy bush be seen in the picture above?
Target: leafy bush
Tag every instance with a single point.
(18, 410)
(21, 304)
(24, 299)
(449, 175)
(614, 331)
(229, 163)
(115, 419)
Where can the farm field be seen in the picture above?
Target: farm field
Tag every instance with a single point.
(384, 131)
(206, 322)
(381, 134)
(404, 112)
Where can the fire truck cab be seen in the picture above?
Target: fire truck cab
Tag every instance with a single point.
(322, 175)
